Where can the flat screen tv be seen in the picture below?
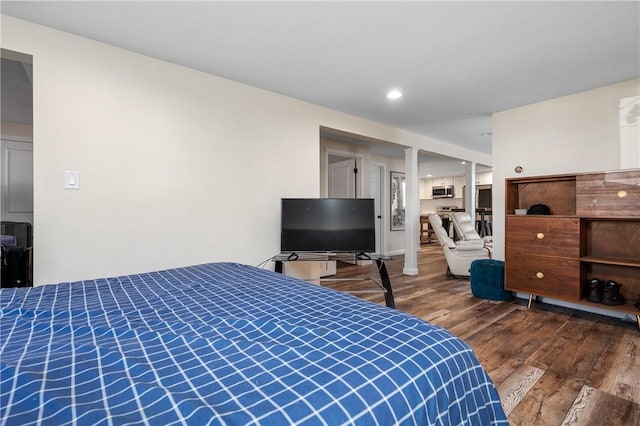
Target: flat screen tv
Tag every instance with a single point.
(483, 198)
(328, 225)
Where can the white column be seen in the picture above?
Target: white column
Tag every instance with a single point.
(412, 212)
(470, 189)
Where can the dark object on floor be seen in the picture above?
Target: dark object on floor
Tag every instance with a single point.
(487, 279)
(539, 209)
(594, 290)
(14, 267)
(611, 294)
(16, 259)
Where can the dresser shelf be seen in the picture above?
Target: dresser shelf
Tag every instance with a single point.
(628, 308)
(633, 263)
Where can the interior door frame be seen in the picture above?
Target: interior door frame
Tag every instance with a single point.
(10, 137)
(9, 147)
(383, 203)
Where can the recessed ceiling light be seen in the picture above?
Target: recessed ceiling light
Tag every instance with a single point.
(429, 175)
(394, 94)
(463, 162)
(486, 134)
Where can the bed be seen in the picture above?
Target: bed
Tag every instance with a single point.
(225, 343)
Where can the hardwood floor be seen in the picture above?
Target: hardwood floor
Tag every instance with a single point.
(551, 365)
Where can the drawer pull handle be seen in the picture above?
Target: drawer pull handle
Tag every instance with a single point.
(540, 236)
(539, 275)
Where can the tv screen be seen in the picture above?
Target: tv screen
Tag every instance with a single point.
(483, 198)
(327, 225)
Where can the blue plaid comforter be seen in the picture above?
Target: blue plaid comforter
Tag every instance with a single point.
(224, 343)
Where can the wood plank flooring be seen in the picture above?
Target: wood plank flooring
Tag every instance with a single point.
(551, 365)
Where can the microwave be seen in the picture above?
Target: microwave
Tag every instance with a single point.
(445, 191)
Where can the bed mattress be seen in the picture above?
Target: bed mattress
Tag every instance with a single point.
(226, 343)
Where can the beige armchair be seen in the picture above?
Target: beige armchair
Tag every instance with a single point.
(466, 230)
(459, 255)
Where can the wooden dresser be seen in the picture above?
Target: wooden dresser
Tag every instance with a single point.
(593, 232)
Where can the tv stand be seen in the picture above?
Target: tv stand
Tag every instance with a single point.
(384, 283)
(362, 256)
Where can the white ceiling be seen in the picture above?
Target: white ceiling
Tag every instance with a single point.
(456, 62)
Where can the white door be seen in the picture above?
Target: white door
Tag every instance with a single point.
(341, 184)
(342, 179)
(377, 186)
(17, 181)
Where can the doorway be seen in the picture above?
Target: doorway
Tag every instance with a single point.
(16, 178)
(344, 180)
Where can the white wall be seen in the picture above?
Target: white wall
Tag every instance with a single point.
(176, 166)
(571, 134)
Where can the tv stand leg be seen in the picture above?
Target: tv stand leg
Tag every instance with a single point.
(278, 267)
(386, 283)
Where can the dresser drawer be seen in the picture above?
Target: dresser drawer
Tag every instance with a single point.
(544, 276)
(608, 194)
(545, 235)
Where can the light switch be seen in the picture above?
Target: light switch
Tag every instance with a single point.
(71, 179)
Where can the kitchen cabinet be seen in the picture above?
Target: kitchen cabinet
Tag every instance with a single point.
(442, 181)
(484, 178)
(458, 186)
(425, 189)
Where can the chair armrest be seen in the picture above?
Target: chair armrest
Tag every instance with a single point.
(465, 245)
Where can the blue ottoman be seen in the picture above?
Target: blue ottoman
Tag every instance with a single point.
(487, 279)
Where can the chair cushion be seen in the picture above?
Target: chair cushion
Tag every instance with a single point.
(465, 226)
